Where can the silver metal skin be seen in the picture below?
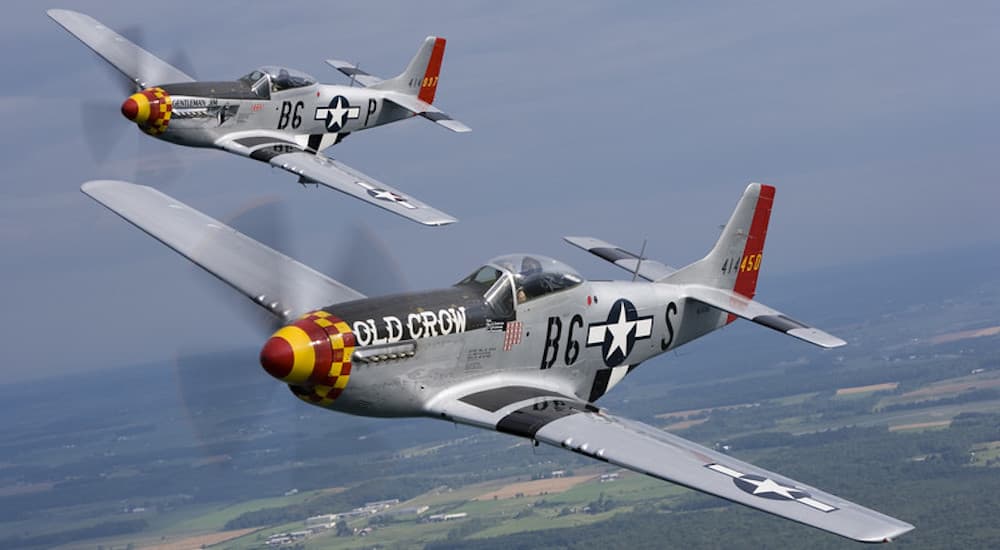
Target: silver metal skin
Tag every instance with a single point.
(525, 346)
(278, 115)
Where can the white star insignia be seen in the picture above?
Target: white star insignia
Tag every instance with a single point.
(768, 485)
(337, 114)
(619, 333)
(624, 332)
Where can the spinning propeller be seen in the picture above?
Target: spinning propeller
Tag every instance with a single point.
(154, 162)
(227, 398)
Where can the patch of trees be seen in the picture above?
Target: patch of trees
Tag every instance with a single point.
(48, 540)
(984, 394)
(921, 477)
(798, 380)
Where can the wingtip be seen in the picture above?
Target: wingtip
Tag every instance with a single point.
(440, 223)
(454, 126)
(837, 344)
(57, 13)
(883, 538)
(89, 187)
(92, 187)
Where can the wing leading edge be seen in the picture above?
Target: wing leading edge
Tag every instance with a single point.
(549, 417)
(272, 280)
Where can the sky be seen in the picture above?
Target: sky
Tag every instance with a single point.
(628, 121)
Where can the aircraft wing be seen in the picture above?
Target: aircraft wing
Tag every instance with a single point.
(272, 280)
(751, 310)
(426, 110)
(322, 170)
(564, 422)
(651, 270)
(141, 67)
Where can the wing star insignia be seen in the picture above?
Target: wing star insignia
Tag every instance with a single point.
(386, 195)
(768, 488)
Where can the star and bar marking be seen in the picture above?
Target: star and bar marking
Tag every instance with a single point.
(618, 335)
(768, 488)
(386, 195)
(337, 113)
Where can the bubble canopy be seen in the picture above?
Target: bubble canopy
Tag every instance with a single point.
(533, 276)
(281, 78)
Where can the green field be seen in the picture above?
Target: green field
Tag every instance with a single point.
(226, 455)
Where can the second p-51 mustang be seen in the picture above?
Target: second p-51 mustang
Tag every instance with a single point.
(523, 345)
(274, 114)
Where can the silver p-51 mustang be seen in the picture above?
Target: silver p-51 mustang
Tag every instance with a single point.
(523, 345)
(274, 114)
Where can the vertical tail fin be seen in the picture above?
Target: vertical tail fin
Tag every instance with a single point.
(735, 260)
(421, 76)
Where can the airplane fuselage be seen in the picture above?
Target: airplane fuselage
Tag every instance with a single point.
(203, 112)
(411, 349)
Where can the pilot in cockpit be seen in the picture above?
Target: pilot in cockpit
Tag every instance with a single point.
(283, 80)
(530, 269)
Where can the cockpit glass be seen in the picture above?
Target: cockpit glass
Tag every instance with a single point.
(252, 77)
(483, 278)
(536, 276)
(533, 276)
(282, 78)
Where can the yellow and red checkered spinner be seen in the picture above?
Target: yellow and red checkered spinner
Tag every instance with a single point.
(314, 354)
(150, 109)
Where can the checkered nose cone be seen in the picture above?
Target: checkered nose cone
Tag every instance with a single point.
(290, 354)
(313, 352)
(150, 109)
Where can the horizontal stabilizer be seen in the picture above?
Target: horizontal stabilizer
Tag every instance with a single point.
(353, 72)
(272, 280)
(426, 110)
(757, 312)
(650, 270)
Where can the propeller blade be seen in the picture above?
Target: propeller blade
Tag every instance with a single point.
(157, 163)
(229, 407)
(266, 220)
(102, 127)
(372, 269)
(137, 35)
(180, 59)
(227, 402)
